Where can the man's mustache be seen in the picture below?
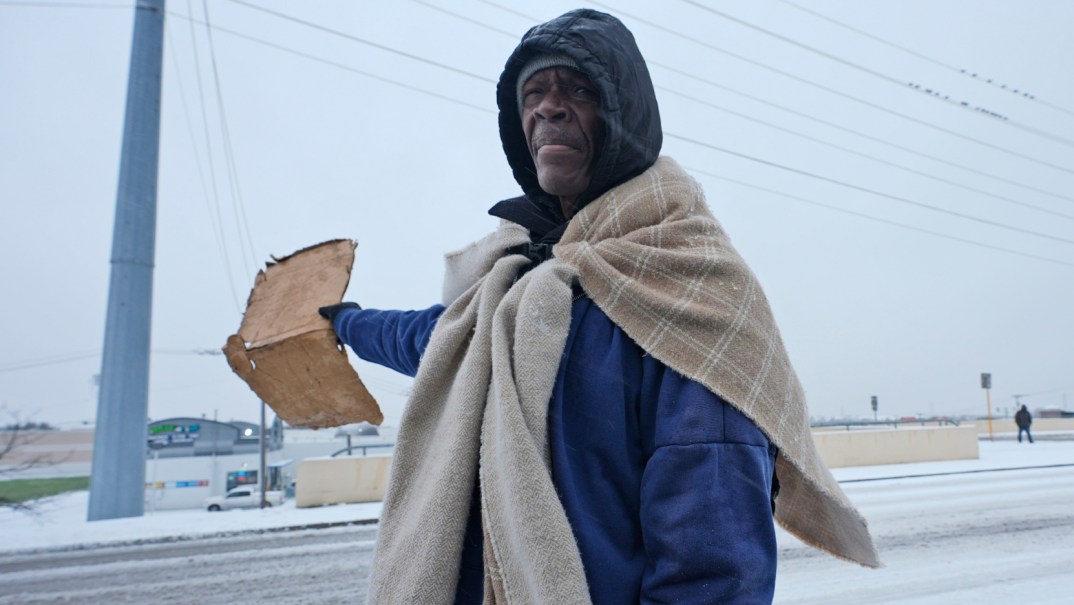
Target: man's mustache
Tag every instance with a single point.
(551, 135)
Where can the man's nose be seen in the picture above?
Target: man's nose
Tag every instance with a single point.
(553, 106)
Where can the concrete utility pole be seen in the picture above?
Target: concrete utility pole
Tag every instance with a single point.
(262, 443)
(117, 484)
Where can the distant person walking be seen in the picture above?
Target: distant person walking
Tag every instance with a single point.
(1023, 419)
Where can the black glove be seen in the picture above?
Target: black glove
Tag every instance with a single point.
(331, 311)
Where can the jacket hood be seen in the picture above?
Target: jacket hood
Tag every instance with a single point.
(605, 51)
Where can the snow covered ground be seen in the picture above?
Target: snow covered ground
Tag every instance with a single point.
(60, 523)
(952, 532)
(955, 531)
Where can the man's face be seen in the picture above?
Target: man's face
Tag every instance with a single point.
(561, 121)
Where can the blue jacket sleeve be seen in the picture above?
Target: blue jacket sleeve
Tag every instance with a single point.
(706, 513)
(394, 339)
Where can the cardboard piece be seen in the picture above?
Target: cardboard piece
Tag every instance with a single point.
(289, 354)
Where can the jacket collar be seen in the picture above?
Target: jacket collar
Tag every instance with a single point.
(545, 224)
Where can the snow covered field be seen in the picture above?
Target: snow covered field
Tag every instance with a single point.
(948, 532)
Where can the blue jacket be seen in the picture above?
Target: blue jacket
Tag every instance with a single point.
(667, 487)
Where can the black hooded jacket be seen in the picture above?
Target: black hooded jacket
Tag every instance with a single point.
(605, 51)
(1023, 418)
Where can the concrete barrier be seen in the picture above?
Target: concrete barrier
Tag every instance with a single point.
(866, 447)
(1041, 425)
(320, 481)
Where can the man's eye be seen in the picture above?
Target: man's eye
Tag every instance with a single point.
(581, 92)
(531, 96)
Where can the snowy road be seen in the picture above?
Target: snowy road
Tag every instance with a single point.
(985, 538)
(309, 566)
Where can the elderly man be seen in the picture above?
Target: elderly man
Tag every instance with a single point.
(601, 397)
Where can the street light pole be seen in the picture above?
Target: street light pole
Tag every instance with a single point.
(261, 471)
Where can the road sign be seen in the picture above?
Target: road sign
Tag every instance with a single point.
(986, 384)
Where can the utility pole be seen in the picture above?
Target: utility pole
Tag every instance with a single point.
(117, 484)
(262, 443)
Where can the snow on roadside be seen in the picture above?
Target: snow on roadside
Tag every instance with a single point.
(60, 522)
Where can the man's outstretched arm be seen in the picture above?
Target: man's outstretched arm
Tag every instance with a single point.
(394, 339)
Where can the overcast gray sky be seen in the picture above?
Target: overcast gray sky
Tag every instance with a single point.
(907, 241)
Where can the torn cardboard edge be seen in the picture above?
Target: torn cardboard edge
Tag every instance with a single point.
(288, 354)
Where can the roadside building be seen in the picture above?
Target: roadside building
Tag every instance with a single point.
(190, 459)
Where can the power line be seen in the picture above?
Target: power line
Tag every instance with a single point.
(838, 92)
(37, 4)
(336, 65)
(385, 384)
(859, 133)
(47, 361)
(335, 32)
(69, 357)
(787, 109)
(189, 120)
(889, 196)
(1021, 93)
(864, 189)
(869, 157)
(237, 204)
(219, 225)
(469, 20)
(878, 219)
(354, 38)
(217, 235)
(859, 214)
(867, 190)
(1046, 391)
(505, 9)
(229, 153)
(873, 72)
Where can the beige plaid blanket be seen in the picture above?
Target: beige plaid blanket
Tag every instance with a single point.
(652, 257)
